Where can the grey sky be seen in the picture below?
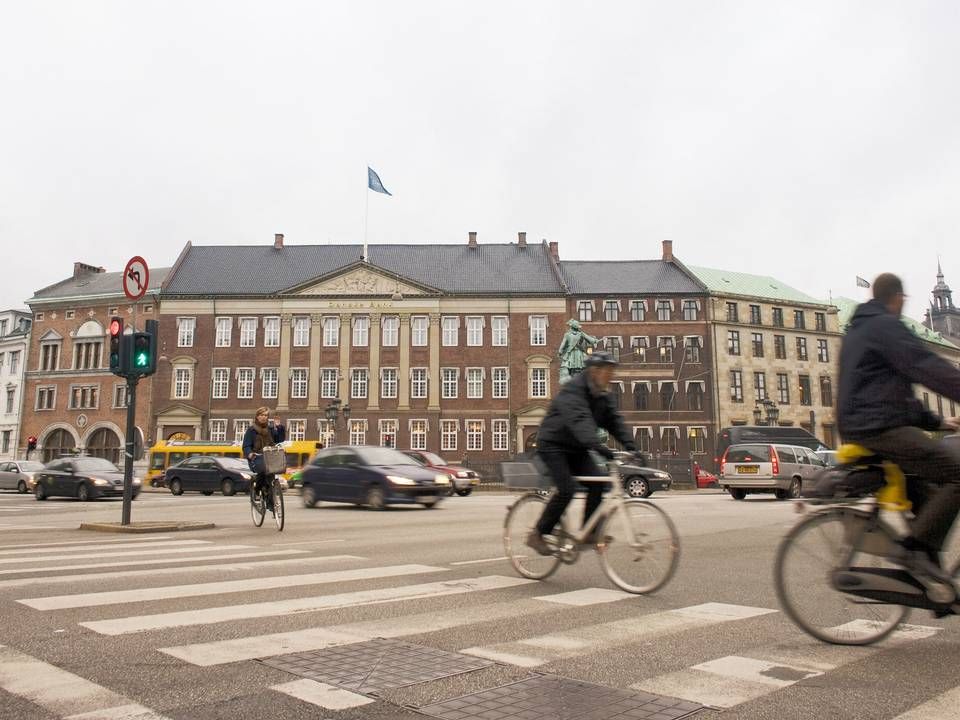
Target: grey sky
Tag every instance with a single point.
(810, 141)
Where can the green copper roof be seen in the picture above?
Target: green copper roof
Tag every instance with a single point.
(728, 282)
(846, 306)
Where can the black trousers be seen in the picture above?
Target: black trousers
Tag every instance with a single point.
(938, 465)
(563, 467)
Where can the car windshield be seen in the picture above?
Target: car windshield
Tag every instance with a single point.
(748, 453)
(384, 456)
(234, 464)
(95, 464)
(434, 459)
(31, 466)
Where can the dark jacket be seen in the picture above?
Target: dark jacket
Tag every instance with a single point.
(574, 416)
(251, 438)
(880, 360)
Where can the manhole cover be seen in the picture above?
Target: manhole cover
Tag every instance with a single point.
(376, 665)
(549, 697)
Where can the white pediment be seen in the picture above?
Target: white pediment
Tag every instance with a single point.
(360, 281)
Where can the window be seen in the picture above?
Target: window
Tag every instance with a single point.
(801, 348)
(820, 321)
(240, 429)
(182, 383)
(15, 359)
(638, 345)
(86, 356)
(38, 317)
(185, 328)
(328, 383)
(248, 332)
(638, 310)
(268, 382)
(667, 393)
(358, 432)
(6, 441)
(805, 397)
(499, 332)
(110, 311)
(244, 383)
(585, 310)
(449, 380)
(388, 433)
(358, 383)
(736, 386)
(331, 331)
(665, 349)
(119, 395)
(826, 391)
(538, 330)
(783, 388)
(390, 331)
(474, 434)
(148, 309)
(448, 434)
(611, 310)
(733, 342)
(612, 345)
(500, 431)
(692, 349)
(418, 331)
(224, 332)
(780, 347)
(695, 396)
(361, 331)
(326, 432)
(664, 309)
(2, 356)
(829, 435)
(296, 430)
(271, 332)
(474, 331)
(642, 438)
(641, 396)
(760, 385)
(823, 352)
(538, 382)
(50, 356)
(418, 434)
(690, 309)
(755, 315)
(218, 431)
(450, 331)
(757, 340)
(500, 387)
(298, 383)
(697, 436)
(221, 383)
(388, 383)
(68, 315)
(418, 383)
(46, 397)
(670, 440)
(732, 312)
(799, 321)
(11, 393)
(474, 383)
(301, 331)
(616, 394)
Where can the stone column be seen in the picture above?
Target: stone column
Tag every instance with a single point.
(283, 374)
(434, 371)
(346, 340)
(403, 374)
(373, 343)
(313, 374)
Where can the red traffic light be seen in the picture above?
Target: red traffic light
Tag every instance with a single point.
(32, 440)
(116, 327)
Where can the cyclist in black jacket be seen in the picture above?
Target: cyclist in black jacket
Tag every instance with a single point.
(568, 433)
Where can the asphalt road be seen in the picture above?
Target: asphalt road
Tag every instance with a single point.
(110, 626)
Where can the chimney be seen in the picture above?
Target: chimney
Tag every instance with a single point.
(278, 241)
(555, 250)
(522, 239)
(668, 250)
(80, 269)
(472, 239)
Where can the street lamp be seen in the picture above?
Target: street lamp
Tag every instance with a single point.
(773, 412)
(332, 411)
(757, 415)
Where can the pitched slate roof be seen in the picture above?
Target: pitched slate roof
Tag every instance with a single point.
(455, 269)
(626, 277)
(728, 282)
(846, 306)
(93, 284)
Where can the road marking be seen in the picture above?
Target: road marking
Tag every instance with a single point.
(321, 694)
(942, 707)
(131, 544)
(308, 542)
(223, 567)
(483, 560)
(542, 649)
(60, 692)
(131, 552)
(34, 546)
(587, 596)
(169, 592)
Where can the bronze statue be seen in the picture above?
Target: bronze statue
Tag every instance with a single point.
(574, 350)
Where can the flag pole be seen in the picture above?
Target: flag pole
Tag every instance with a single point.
(366, 213)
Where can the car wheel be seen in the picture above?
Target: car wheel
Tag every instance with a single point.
(38, 492)
(637, 487)
(83, 492)
(227, 488)
(208, 492)
(464, 492)
(738, 493)
(176, 487)
(309, 497)
(428, 504)
(795, 488)
(375, 498)
(21, 487)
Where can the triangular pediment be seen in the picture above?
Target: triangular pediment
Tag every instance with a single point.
(361, 280)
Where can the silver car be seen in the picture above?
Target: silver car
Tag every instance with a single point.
(18, 475)
(776, 468)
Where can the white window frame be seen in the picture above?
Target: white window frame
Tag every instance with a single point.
(299, 383)
(325, 432)
(449, 429)
(418, 427)
(474, 436)
(49, 392)
(500, 434)
(246, 379)
(450, 330)
(357, 431)
(220, 383)
(475, 326)
(385, 426)
(415, 383)
(240, 429)
(224, 332)
(361, 330)
(269, 382)
(248, 331)
(538, 330)
(329, 378)
(449, 375)
(331, 331)
(186, 331)
(217, 431)
(297, 430)
(500, 386)
(475, 383)
(534, 381)
(419, 330)
(359, 382)
(182, 383)
(301, 331)
(271, 331)
(390, 331)
(499, 330)
(119, 395)
(389, 383)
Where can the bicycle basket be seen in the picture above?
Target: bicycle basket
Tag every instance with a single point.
(274, 460)
(840, 482)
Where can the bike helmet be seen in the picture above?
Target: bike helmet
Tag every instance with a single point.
(600, 357)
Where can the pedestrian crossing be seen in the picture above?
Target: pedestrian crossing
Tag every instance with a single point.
(134, 594)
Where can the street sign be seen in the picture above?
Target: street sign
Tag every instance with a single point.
(136, 278)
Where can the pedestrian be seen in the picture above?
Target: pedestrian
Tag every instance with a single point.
(264, 432)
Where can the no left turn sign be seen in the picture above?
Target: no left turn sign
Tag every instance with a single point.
(136, 278)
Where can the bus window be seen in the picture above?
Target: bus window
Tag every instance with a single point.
(157, 460)
(292, 460)
(176, 457)
(231, 453)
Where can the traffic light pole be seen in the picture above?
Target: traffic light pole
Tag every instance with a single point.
(129, 448)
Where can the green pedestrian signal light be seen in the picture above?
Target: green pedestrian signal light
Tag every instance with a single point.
(143, 354)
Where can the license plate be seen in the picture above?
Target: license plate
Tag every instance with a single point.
(747, 469)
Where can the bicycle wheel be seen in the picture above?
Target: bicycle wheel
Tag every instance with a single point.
(641, 548)
(258, 505)
(521, 520)
(805, 562)
(277, 504)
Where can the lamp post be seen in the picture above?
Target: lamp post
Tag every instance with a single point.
(332, 412)
(766, 412)
(757, 415)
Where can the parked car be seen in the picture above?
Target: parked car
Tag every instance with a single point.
(704, 478)
(371, 476)
(83, 477)
(639, 480)
(763, 434)
(19, 474)
(207, 474)
(463, 480)
(780, 469)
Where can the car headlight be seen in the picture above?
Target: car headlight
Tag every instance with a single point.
(100, 481)
(661, 475)
(246, 476)
(400, 480)
(441, 479)
(463, 474)
(137, 481)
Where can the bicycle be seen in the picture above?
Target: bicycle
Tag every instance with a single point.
(637, 542)
(258, 503)
(850, 546)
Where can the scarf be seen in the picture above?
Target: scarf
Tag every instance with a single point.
(263, 439)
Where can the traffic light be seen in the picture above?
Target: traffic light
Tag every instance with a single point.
(143, 355)
(31, 443)
(117, 347)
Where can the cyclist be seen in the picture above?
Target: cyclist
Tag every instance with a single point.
(566, 436)
(262, 433)
(880, 360)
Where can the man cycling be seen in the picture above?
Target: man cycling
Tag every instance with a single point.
(566, 436)
(880, 360)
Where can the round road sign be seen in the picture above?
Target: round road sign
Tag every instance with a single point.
(136, 278)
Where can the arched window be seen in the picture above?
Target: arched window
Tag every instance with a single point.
(59, 442)
(105, 444)
(641, 396)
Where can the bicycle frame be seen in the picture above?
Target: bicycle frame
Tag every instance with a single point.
(610, 502)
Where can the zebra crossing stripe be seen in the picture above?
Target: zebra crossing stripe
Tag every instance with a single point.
(942, 707)
(587, 596)
(169, 592)
(322, 695)
(137, 544)
(131, 552)
(34, 546)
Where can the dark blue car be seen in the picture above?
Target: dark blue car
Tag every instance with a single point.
(371, 476)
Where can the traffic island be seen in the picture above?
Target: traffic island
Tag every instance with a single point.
(147, 527)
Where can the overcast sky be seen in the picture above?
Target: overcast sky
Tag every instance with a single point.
(812, 141)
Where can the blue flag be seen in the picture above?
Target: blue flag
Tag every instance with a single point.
(373, 182)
